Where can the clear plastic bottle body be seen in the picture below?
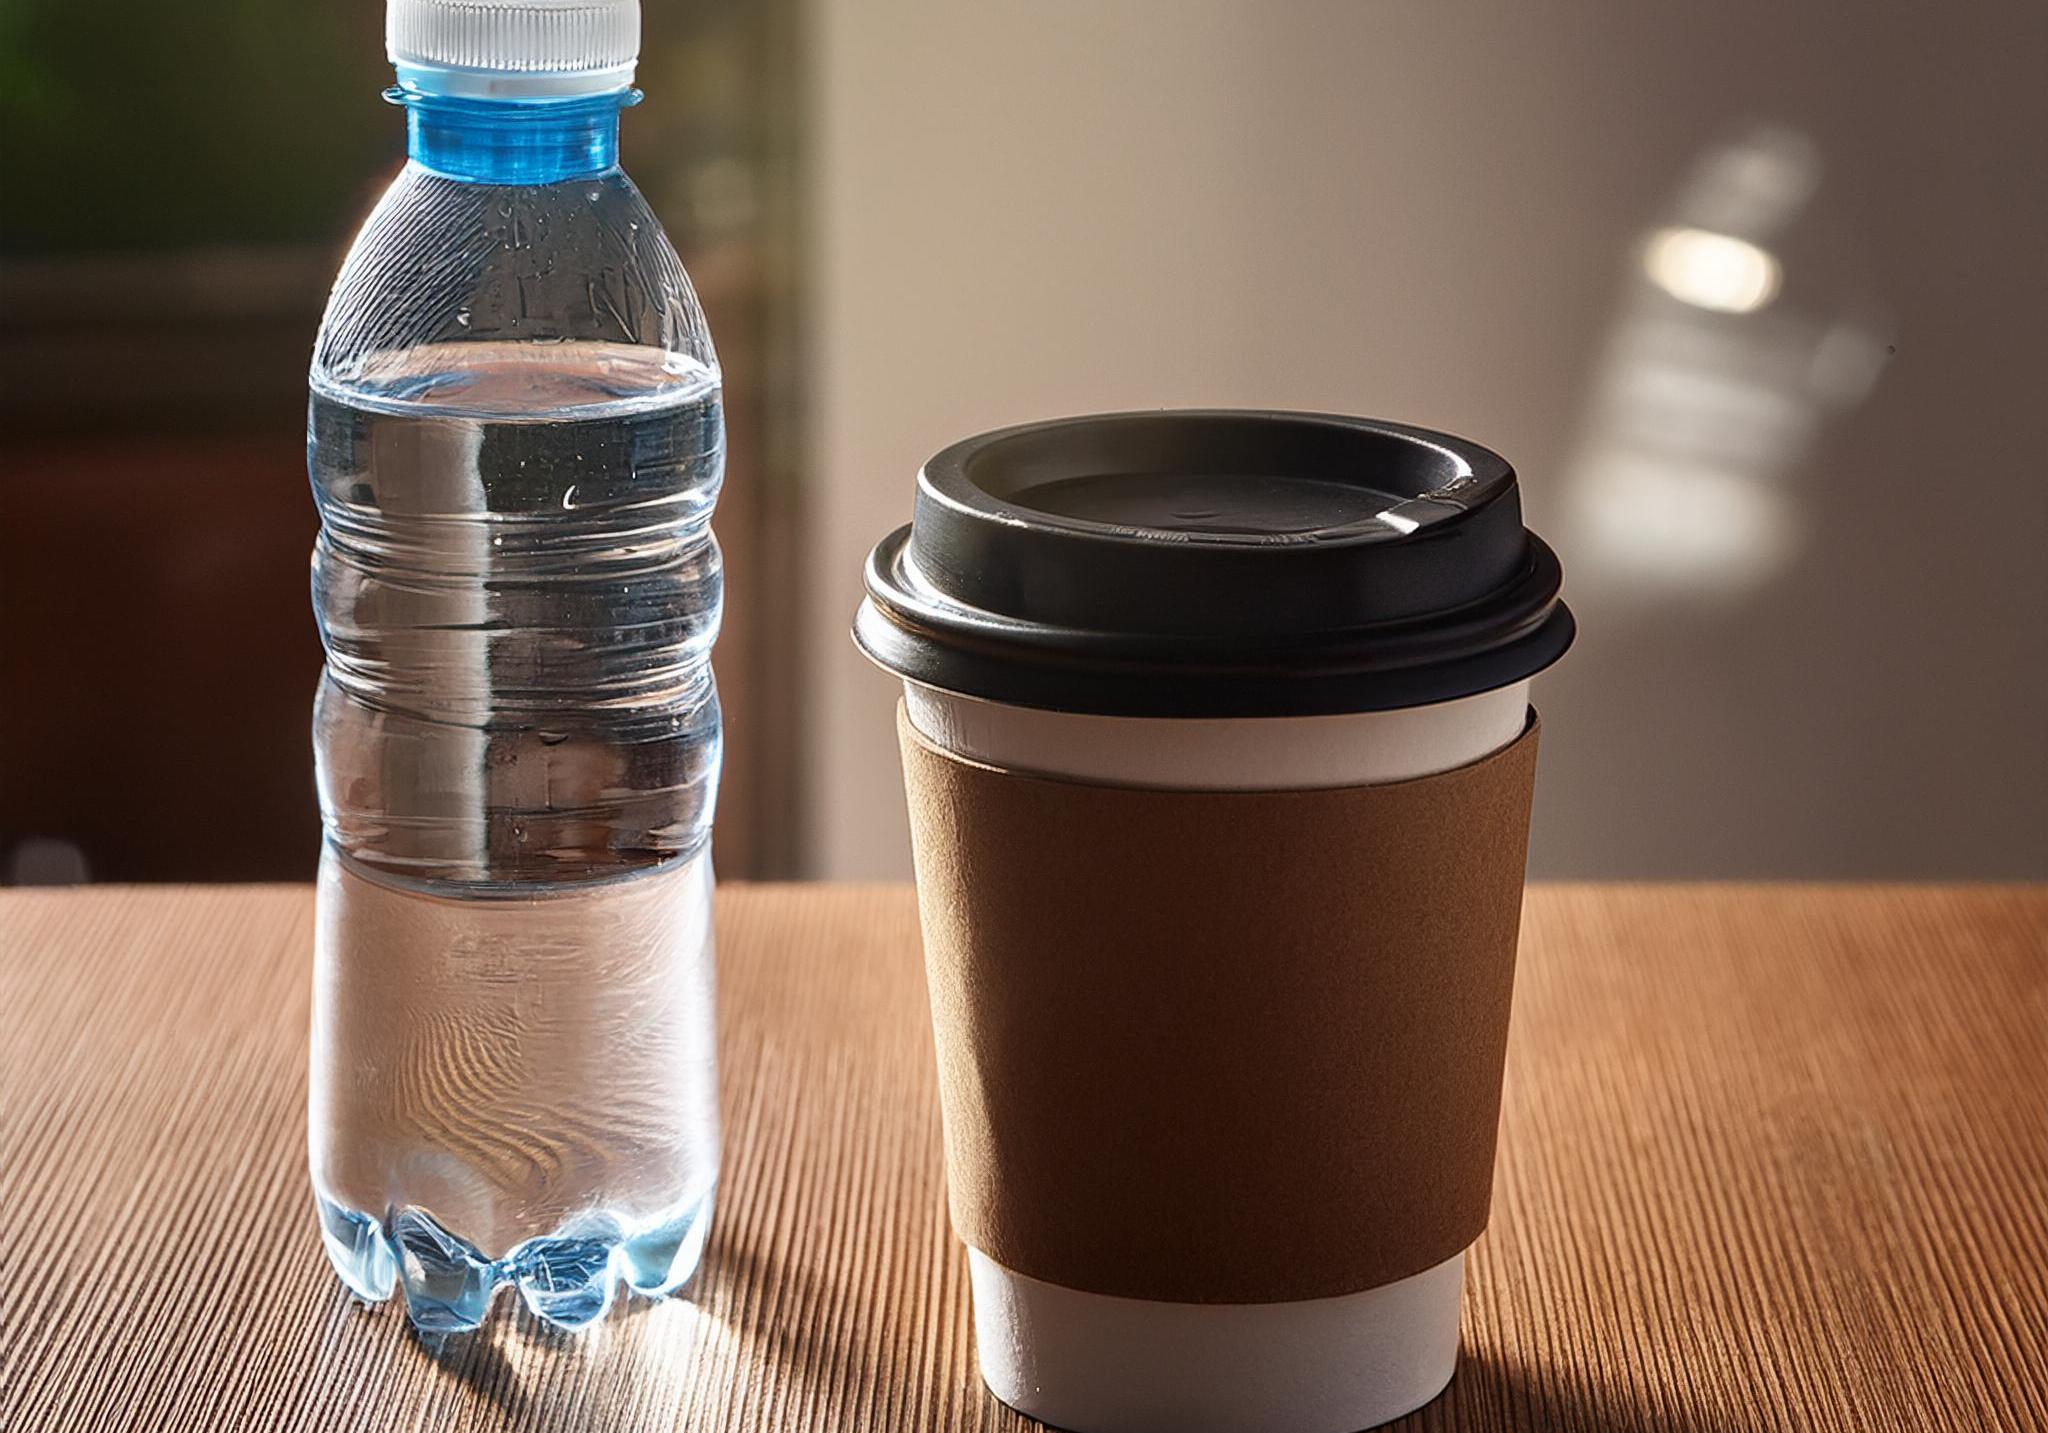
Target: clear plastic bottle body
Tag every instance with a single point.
(515, 442)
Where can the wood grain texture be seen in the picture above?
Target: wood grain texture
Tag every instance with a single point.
(1773, 1157)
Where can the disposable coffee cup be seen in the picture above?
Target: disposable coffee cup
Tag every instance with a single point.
(1218, 750)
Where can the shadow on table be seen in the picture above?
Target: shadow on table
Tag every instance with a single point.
(474, 1360)
(478, 1361)
(774, 1313)
(804, 1328)
(1498, 1391)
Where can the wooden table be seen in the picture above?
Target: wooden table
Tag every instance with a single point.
(1773, 1157)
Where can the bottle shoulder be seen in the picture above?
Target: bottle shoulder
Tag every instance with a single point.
(577, 266)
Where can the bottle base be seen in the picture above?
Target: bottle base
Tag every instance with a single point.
(568, 1278)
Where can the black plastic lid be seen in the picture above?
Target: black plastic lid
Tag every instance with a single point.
(1189, 564)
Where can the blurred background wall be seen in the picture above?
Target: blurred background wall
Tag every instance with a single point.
(1749, 292)
(179, 188)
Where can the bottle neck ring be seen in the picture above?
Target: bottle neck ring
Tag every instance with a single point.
(513, 141)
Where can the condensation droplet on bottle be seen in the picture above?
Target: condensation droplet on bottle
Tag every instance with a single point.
(569, 498)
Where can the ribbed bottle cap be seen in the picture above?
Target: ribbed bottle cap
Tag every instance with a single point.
(513, 48)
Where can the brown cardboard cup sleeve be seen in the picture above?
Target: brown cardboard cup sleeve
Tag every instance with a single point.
(1219, 1046)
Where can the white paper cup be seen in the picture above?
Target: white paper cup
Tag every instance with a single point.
(1103, 1364)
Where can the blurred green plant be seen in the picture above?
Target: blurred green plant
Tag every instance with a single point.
(137, 126)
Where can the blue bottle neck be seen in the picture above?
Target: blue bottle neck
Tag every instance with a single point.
(513, 141)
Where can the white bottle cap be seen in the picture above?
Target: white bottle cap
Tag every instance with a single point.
(513, 48)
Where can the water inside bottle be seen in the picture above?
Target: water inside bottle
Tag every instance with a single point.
(518, 742)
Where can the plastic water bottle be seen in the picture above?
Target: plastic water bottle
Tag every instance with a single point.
(515, 442)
